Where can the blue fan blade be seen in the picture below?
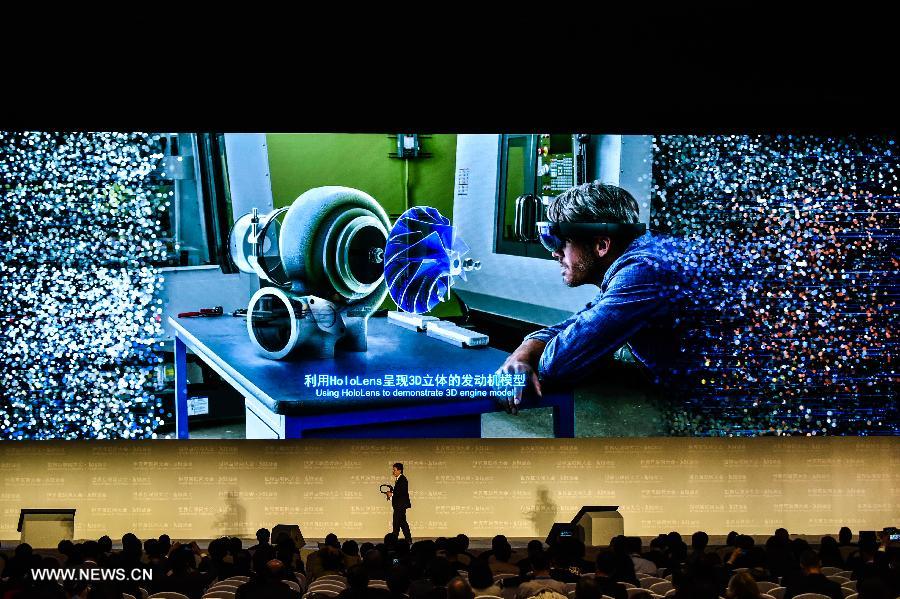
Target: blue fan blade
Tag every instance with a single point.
(418, 257)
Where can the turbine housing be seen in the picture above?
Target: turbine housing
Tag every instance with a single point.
(327, 275)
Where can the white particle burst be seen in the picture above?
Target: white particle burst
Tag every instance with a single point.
(76, 279)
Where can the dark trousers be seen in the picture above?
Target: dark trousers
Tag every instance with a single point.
(400, 523)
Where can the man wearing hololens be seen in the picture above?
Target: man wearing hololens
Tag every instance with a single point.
(594, 234)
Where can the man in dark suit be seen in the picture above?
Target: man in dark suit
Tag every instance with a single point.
(812, 580)
(400, 502)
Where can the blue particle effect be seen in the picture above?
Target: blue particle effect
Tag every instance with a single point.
(794, 263)
(79, 301)
(418, 259)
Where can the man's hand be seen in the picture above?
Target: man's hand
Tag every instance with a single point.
(390, 494)
(522, 361)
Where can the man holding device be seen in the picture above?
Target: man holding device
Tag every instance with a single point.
(594, 234)
(400, 502)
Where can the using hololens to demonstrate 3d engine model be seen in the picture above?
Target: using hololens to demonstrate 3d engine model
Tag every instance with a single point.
(472, 285)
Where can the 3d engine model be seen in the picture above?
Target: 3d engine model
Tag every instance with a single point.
(326, 257)
(326, 262)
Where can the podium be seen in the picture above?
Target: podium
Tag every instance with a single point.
(599, 524)
(45, 528)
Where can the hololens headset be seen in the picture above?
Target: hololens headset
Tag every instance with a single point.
(553, 235)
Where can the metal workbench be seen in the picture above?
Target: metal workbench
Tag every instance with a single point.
(282, 401)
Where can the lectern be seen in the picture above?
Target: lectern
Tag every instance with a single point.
(44, 528)
(599, 524)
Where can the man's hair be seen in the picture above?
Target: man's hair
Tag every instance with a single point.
(503, 552)
(458, 588)
(540, 562)
(699, 540)
(332, 559)
(845, 535)
(634, 544)
(398, 466)
(439, 571)
(480, 575)
(357, 577)
(594, 203)
(810, 559)
(263, 535)
(105, 544)
(588, 588)
(743, 586)
(606, 562)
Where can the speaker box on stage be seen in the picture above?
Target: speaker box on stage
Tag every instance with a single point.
(599, 524)
(292, 530)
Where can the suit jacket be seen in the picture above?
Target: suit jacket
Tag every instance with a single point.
(813, 583)
(400, 498)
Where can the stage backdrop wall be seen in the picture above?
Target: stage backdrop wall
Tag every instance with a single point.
(203, 489)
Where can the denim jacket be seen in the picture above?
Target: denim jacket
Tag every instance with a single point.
(639, 303)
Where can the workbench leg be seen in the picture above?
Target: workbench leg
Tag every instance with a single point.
(564, 417)
(181, 399)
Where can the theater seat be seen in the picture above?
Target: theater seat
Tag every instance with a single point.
(777, 592)
(661, 588)
(168, 595)
(811, 596)
(649, 581)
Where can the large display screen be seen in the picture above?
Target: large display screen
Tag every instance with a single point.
(397, 286)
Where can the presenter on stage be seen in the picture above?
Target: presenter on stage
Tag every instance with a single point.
(400, 502)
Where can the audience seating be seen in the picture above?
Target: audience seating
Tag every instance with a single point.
(294, 586)
(331, 585)
(649, 581)
(777, 592)
(323, 592)
(660, 588)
